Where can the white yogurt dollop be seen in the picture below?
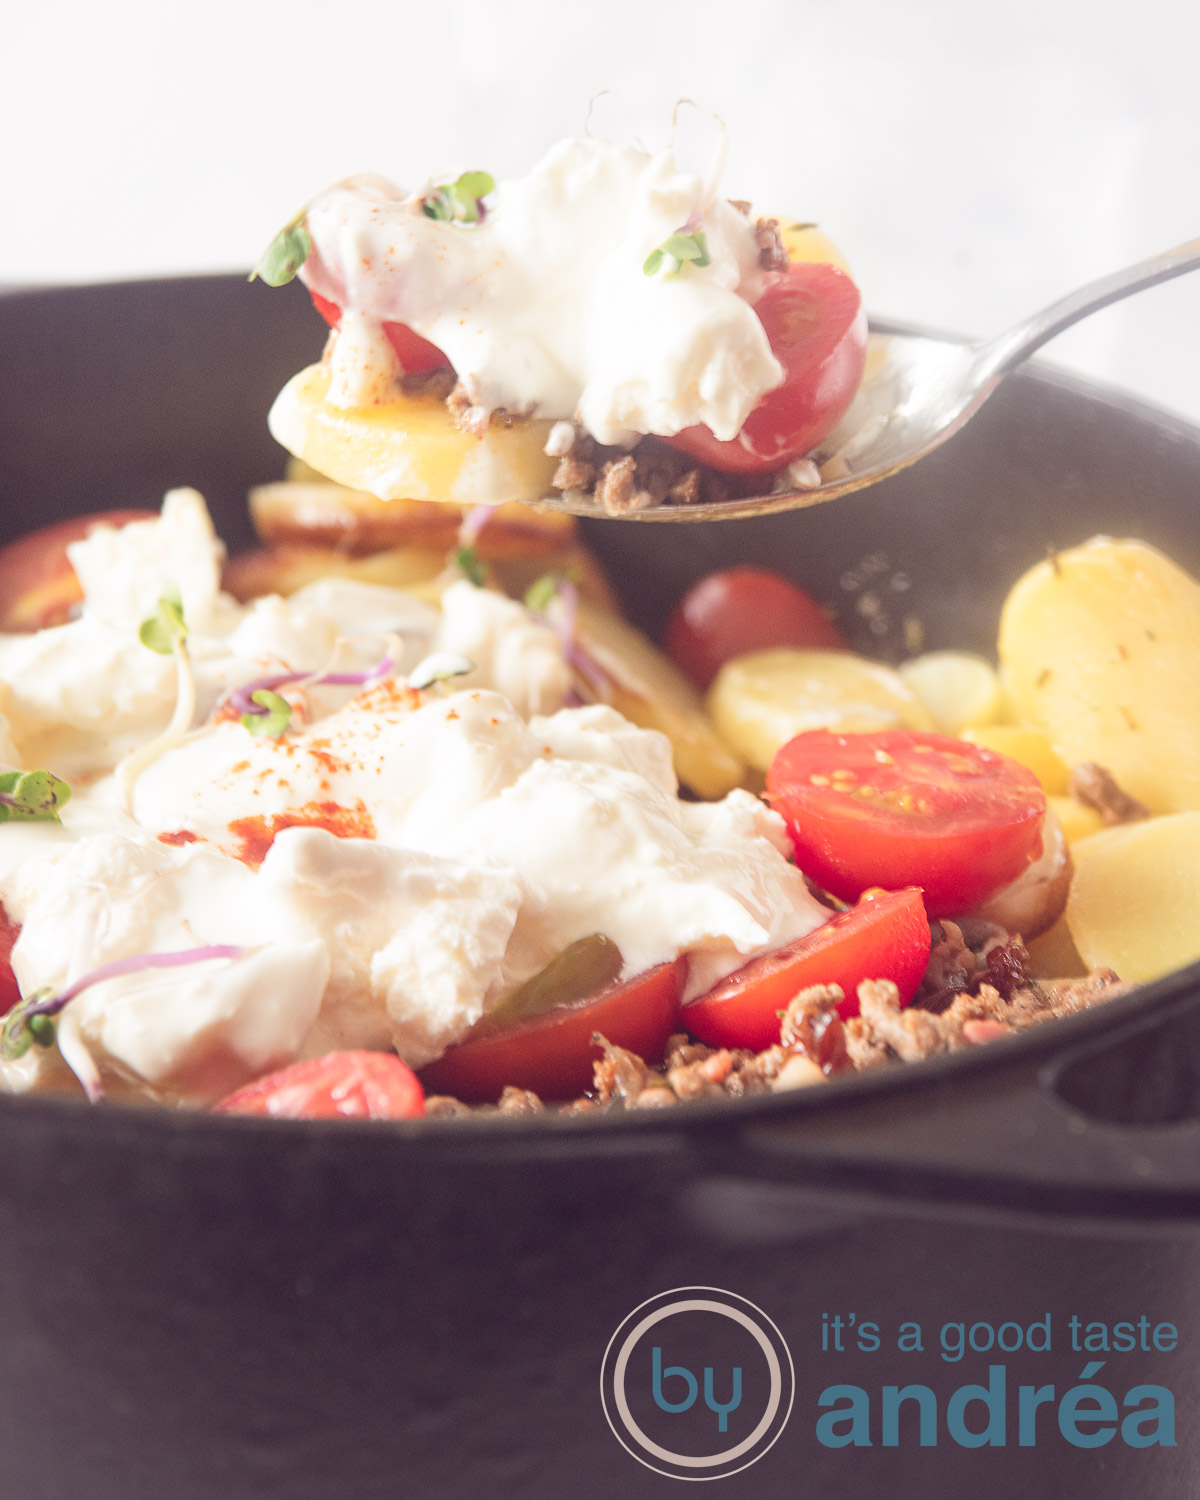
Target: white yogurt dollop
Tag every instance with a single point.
(390, 866)
(543, 307)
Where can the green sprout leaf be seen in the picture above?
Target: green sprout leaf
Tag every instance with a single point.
(284, 256)
(460, 201)
(541, 593)
(21, 1030)
(468, 563)
(161, 630)
(676, 251)
(269, 725)
(32, 797)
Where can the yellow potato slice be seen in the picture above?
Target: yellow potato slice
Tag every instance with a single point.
(410, 449)
(1054, 954)
(1135, 900)
(319, 513)
(651, 692)
(284, 569)
(805, 242)
(1099, 651)
(760, 701)
(1076, 820)
(961, 691)
(1035, 753)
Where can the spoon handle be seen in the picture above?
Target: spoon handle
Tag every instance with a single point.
(1007, 350)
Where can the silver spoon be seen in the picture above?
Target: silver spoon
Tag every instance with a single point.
(917, 392)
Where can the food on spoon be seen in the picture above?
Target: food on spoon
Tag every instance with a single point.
(608, 323)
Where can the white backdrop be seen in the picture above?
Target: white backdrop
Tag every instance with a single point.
(972, 160)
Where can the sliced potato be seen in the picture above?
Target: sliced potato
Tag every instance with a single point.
(410, 449)
(319, 513)
(806, 242)
(1033, 750)
(760, 701)
(1099, 651)
(1135, 901)
(1076, 821)
(961, 691)
(1054, 954)
(284, 569)
(651, 691)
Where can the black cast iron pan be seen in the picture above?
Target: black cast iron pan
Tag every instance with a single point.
(194, 1306)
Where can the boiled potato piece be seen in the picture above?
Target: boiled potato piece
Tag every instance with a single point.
(410, 449)
(651, 691)
(318, 513)
(961, 691)
(1076, 820)
(1054, 955)
(284, 569)
(1135, 901)
(1033, 750)
(762, 700)
(805, 242)
(1100, 649)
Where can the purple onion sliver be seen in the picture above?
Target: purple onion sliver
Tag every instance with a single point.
(591, 671)
(243, 698)
(569, 595)
(52, 1004)
(473, 523)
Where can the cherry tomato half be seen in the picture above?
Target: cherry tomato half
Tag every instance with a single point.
(9, 990)
(886, 936)
(814, 319)
(415, 354)
(905, 808)
(744, 609)
(552, 1053)
(355, 1085)
(38, 586)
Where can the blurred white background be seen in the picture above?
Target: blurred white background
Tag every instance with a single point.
(973, 161)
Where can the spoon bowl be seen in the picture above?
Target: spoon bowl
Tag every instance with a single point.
(916, 392)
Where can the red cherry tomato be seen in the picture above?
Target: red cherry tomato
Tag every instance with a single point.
(9, 991)
(38, 586)
(744, 609)
(904, 808)
(415, 354)
(814, 319)
(886, 936)
(355, 1085)
(552, 1053)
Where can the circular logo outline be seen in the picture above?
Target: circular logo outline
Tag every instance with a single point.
(696, 1304)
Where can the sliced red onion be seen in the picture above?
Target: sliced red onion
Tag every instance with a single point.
(242, 698)
(52, 1004)
(473, 523)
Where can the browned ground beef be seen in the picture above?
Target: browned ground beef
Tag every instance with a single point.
(977, 995)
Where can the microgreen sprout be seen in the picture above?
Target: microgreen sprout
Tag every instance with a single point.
(273, 718)
(542, 593)
(163, 629)
(263, 712)
(30, 1022)
(460, 201)
(437, 668)
(467, 561)
(31, 797)
(286, 253)
(676, 251)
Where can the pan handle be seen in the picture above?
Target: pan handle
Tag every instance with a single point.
(1108, 1124)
